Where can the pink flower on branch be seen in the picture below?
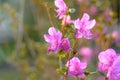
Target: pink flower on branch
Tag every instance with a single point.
(54, 38)
(76, 67)
(114, 71)
(61, 8)
(106, 59)
(83, 26)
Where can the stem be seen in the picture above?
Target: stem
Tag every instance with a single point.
(49, 16)
(63, 28)
(20, 28)
(60, 62)
(93, 72)
(60, 65)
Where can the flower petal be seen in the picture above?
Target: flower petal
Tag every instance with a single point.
(77, 24)
(87, 34)
(60, 4)
(114, 71)
(52, 31)
(79, 34)
(83, 65)
(65, 44)
(90, 24)
(47, 37)
(85, 17)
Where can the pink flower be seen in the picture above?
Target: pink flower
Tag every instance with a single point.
(54, 38)
(83, 27)
(75, 67)
(65, 44)
(106, 59)
(86, 53)
(61, 8)
(114, 71)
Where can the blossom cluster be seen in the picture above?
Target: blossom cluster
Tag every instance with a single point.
(82, 26)
(54, 38)
(76, 67)
(109, 62)
(58, 42)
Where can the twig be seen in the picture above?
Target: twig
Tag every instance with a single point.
(47, 9)
(60, 64)
(20, 27)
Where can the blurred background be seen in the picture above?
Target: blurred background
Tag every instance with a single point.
(23, 51)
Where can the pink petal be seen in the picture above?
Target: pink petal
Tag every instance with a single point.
(87, 34)
(83, 65)
(114, 71)
(60, 4)
(77, 24)
(52, 31)
(78, 34)
(47, 37)
(90, 24)
(65, 44)
(85, 17)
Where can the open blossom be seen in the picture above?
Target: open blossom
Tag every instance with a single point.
(106, 59)
(76, 67)
(54, 38)
(114, 71)
(61, 8)
(83, 26)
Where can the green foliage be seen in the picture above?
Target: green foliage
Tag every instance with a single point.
(61, 71)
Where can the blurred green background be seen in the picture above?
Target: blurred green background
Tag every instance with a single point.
(23, 51)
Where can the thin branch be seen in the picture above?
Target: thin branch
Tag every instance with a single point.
(48, 12)
(60, 64)
(20, 27)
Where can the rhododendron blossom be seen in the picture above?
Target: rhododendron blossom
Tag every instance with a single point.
(114, 71)
(83, 26)
(54, 38)
(106, 59)
(61, 8)
(75, 67)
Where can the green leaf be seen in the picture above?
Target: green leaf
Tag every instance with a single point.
(61, 54)
(61, 71)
